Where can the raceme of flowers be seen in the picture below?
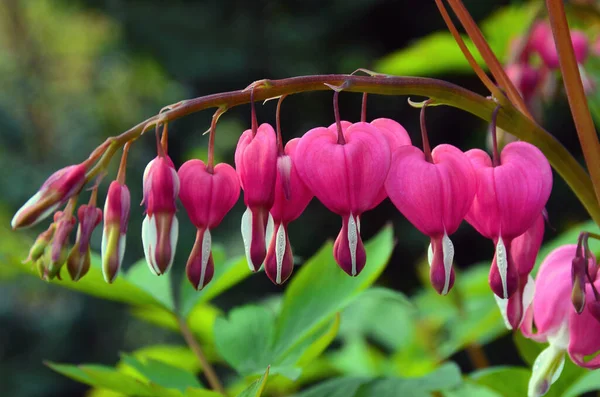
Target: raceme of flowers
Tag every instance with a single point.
(350, 168)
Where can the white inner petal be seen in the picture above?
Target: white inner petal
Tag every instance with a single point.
(503, 305)
(149, 242)
(546, 370)
(502, 263)
(122, 245)
(528, 293)
(429, 254)
(448, 251)
(280, 242)
(206, 246)
(269, 231)
(173, 241)
(247, 235)
(352, 241)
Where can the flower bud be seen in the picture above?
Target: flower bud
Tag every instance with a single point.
(65, 222)
(578, 281)
(116, 217)
(55, 192)
(78, 261)
(160, 227)
(38, 248)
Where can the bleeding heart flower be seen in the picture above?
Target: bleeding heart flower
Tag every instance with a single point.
(510, 197)
(289, 204)
(256, 165)
(558, 323)
(54, 193)
(524, 251)
(207, 196)
(345, 170)
(65, 222)
(434, 197)
(160, 227)
(79, 259)
(116, 219)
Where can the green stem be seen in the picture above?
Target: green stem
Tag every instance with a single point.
(588, 138)
(440, 92)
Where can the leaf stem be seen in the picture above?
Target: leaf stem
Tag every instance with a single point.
(209, 372)
(588, 138)
(441, 92)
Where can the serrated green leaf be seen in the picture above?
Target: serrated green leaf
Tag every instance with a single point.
(256, 388)
(174, 355)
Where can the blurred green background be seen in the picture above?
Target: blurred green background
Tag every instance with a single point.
(73, 72)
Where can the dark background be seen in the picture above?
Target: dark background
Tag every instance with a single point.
(75, 72)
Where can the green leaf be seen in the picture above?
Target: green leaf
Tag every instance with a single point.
(191, 392)
(468, 389)
(320, 289)
(508, 381)
(162, 374)
(157, 286)
(446, 376)
(528, 349)
(227, 274)
(337, 387)
(587, 383)
(416, 59)
(103, 377)
(245, 338)
(256, 388)
(174, 355)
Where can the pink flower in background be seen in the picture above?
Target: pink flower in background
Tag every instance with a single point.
(435, 197)
(558, 323)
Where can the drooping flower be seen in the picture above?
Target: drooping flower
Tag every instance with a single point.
(524, 251)
(287, 207)
(78, 261)
(256, 166)
(54, 193)
(509, 198)
(160, 227)
(207, 195)
(41, 243)
(434, 196)
(558, 323)
(116, 219)
(345, 170)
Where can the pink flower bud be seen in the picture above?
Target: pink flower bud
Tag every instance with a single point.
(160, 227)
(116, 218)
(207, 196)
(65, 223)
(78, 261)
(347, 178)
(54, 193)
(40, 244)
(256, 165)
(289, 204)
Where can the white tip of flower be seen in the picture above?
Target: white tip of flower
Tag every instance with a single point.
(206, 246)
(502, 263)
(173, 239)
(269, 230)
(448, 254)
(247, 235)
(546, 370)
(14, 223)
(528, 292)
(503, 306)
(353, 241)
(280, 246)
(429, 254)
(149, 241)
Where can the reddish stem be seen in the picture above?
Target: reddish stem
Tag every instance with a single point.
(123, 164)
(253, 113)
(495, 152)
(426, 147)
(336, 112)
(211, 139)
(363, 111)
(278, 125)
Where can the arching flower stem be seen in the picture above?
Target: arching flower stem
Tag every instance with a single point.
(363, 109)
(338, 121)
(425, 138)
(211, 137)
(493, 128)
(509, 118)
(278, 126)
